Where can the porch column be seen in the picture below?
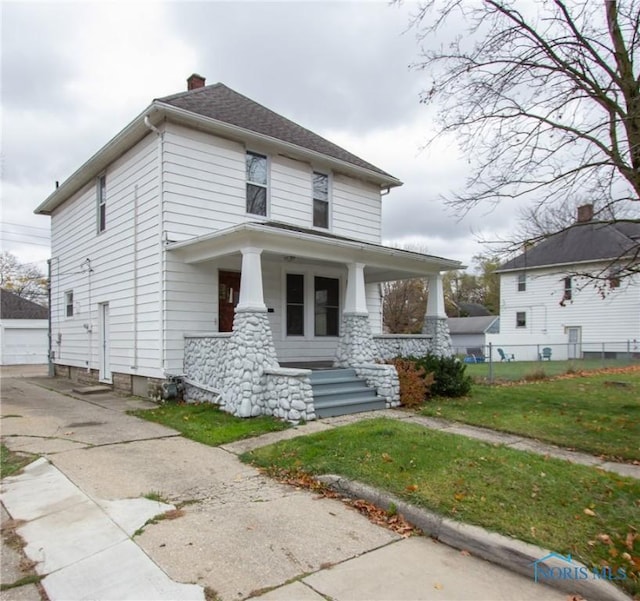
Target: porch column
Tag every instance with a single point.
(435, 320)
(250, 348)
(356, 345)
(251, 292)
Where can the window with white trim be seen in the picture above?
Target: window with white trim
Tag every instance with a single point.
(521, 319)
(256, 165)
(522, 282)
(102, 203)
(568, 289)
(320, 200)
(68, 303)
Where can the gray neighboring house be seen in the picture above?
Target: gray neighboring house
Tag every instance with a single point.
(470, 332)
(24, 327)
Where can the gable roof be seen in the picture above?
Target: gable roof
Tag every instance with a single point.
(219, 102)
(581, 243)
(13, 306)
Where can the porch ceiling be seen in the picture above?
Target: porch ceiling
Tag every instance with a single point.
(299, 245)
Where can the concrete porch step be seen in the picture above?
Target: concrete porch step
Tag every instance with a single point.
(91, 389)
(341, 392)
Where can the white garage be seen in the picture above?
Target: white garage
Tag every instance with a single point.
(24, 330)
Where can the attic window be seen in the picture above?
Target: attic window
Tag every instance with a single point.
(256, 183)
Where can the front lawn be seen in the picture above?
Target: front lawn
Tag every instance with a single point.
(564, 507)
(598, 414)
(207, 424)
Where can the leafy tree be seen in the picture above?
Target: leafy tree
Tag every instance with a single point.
(23, 279)
(544, 98)
(404, 305)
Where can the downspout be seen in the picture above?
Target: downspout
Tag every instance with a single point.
(51, 371)
(161, 250)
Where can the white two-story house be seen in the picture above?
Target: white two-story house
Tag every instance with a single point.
(565, 294)
(216, 240)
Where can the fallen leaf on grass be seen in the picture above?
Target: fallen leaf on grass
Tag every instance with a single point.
(412, 487)
(604, 538)
(588, 511)
(631, 536)
(386, 458)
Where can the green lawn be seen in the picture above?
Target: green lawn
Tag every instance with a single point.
(207, 424)
(564, 507)
(598, 414)
(519, 370)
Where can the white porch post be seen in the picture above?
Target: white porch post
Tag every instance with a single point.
(356, 345)
(435, 301)
(250, 349)
(251, 292)
(356, 299)
(435, 320)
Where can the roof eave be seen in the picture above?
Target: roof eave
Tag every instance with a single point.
(113, 149)
(219, 241)
(234, 131)
(564, 264)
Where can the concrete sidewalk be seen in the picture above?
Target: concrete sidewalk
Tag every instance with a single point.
(237, 533)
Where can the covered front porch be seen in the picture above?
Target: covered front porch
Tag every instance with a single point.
(302, 298)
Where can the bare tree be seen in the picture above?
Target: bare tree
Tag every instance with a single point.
(23, 279)
(544, 98)
(404, 305)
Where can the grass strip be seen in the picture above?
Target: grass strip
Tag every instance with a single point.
(564, 507)
(597, 414)
(207, 424)
(12, 462)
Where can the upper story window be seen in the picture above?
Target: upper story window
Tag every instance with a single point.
(102, 203)
(521, 319)
(568, 293)
(522, 282)
(68, 303)
(256, 183)
(320, 200)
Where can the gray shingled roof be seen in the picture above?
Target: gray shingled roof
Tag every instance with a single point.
(13, 306)
(590, 241)
(219, 102)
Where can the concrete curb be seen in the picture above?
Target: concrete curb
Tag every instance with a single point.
(507, 552)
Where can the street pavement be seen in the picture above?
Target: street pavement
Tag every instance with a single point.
(83, 510)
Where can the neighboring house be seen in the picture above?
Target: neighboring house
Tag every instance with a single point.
(545, 303)
(216, 240)
(470, 332)
(24, 330)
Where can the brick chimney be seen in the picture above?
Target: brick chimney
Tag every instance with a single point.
(195, 81)
(585, 213)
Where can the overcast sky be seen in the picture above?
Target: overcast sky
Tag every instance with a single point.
(74, 74)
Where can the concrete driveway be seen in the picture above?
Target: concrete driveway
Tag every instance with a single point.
(238, 533)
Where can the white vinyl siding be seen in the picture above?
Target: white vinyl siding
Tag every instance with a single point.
(356, 209)
(109, 275)
(614, 318)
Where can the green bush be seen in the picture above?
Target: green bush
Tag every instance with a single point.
(450, 379)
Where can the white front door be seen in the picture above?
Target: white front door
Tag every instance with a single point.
(105, 351)
(575, 339)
